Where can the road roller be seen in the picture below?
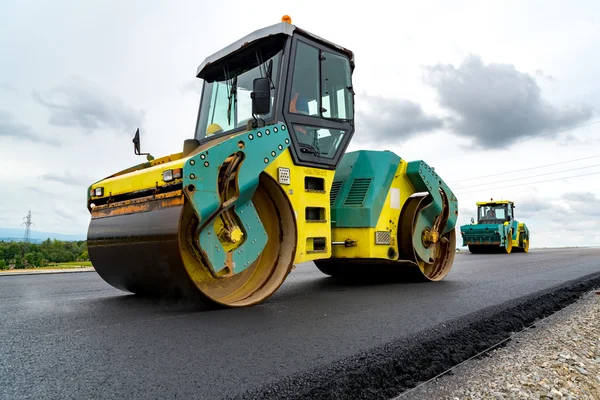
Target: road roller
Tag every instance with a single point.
(266, 183)
(496, 229)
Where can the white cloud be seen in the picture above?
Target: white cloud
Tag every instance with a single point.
(495, 104)
(12, 128)
(78, 103)
(390, 119)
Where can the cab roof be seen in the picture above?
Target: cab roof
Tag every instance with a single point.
(281, 28)
(491, 202)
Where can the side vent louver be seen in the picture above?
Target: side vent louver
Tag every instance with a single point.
(358, 192)
(335, 189)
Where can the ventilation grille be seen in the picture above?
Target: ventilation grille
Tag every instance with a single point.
(335, 189)
(383, 237)
(358, 192)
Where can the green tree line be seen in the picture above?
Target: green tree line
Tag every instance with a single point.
(33, 255)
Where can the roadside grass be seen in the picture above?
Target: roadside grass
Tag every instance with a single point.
(74, 264)
(54, 266)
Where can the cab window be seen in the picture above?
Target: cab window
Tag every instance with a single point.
(320, 102)
(321, 84)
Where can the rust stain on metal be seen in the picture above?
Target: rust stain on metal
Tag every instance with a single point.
(229, 265)
(145, 199)
(136, 206)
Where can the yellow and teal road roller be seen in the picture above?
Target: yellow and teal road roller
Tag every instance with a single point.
(266, 183)
(496, 229)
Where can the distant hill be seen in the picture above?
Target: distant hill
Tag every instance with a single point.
(19, 239)
(16, 234)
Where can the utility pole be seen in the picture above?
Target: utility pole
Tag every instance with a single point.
(27, 224)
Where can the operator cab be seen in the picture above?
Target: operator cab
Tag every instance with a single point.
(281, 74)
(495, 212)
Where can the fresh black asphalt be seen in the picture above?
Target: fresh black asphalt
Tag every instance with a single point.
(73, 336)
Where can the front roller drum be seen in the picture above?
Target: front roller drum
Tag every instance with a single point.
(507, 248)
(485, 249)
(156, 253)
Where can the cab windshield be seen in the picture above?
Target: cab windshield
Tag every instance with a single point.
(492, 213)
(226, 103)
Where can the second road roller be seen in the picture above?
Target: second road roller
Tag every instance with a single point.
(496, 229)
(266, 183)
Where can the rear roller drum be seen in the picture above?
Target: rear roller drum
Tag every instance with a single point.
(420, 241)
(523, 246)
(413, 232)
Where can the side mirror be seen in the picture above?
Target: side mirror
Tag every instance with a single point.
(472, 220)
(261, 96)
(136, 146)
(136, 142)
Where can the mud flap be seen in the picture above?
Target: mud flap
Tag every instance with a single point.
(425, 179)
(439, 216)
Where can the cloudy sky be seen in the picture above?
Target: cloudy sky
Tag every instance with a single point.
(473, 88)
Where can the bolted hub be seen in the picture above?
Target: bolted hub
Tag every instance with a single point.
(429, 237)
(231, 235)
(235, 234)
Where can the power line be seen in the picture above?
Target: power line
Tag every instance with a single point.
(519, 170)
(529, 183)
(27, 224)
(530, 176)
(523, 140)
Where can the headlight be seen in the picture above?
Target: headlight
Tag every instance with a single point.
(172, 174)
(96, 192)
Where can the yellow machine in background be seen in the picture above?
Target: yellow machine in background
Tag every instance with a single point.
(496, 229)
(266, 183)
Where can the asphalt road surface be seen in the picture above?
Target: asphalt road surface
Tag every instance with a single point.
(73, 336)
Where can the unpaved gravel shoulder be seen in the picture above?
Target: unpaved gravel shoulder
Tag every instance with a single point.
(558, 359)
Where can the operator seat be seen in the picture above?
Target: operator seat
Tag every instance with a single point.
(213, 129)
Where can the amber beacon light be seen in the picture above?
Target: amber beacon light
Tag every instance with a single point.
(286, 18)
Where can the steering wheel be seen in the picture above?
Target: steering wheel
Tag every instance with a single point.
(307, 148)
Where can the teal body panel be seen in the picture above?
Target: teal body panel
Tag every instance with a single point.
(362, 182)
(360, 186)
(487, 234)
(260, 147)
(514, 225)
(425, 179)
(526, 229)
